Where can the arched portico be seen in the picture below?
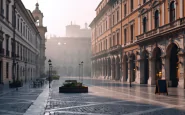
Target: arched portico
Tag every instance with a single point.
(132, 67)
(144, 67)
(109, 67)
(173, 69)
(118, 77)
(113, 68)
(125, 68)
(156, 72)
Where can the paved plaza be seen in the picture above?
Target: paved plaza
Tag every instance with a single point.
(107, 97)
(13, 102)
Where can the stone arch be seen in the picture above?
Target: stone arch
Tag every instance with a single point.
(125, 68)
(109, 66)
(144, 67)
(113, 68)
(172, 60)
(132, 67)
(156, 72)
(118, 77)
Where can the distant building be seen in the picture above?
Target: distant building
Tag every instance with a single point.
(74, 30)
(67, 52)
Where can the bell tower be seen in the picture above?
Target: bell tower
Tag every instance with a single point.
(38, 16)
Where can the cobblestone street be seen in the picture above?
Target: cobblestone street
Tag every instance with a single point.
(14, 102)
(114, 98)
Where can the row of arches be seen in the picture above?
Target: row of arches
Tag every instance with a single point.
(153, 66)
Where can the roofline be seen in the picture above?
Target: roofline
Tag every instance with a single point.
(99, 5)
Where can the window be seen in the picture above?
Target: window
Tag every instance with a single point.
(118, 38)
(144, 1)
(113, 40)
(106, 25)
(132, 33)
(125, 36)
(7, 46)
(110, 42)
(125, 10)
(7, 69)
(172, 11)
(113, 19)
(156, 19)
(117, 15)
(13, 18)
(21, 26)
(18, 23)
(2, 9)
(106, 44)
(131, 5)
(7, 10)
(144, 25)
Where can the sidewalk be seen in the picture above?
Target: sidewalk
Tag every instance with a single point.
(144, 88)
(17, 102)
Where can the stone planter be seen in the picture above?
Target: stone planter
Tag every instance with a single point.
(73, 89)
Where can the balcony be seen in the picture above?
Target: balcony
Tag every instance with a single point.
(99, 54)
(168, 28)
(114, 48)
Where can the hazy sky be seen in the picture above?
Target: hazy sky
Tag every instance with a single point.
(59, 13)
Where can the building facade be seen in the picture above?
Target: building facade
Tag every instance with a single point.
(20, 43)
(139, 41)
(68, 52)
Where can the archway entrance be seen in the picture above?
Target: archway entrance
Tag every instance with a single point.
(174, 67)
(117, 68)
(145, 68)
(132, 68)
(113, 69)
(157, 65)
(109, 67)
(125, 68)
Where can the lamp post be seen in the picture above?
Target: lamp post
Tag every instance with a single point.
(82, 71)
(49, 62)
(79, 71)
(25, 72)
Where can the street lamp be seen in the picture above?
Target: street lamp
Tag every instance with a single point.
(82, 71)
(25, 71)
(49, 62)
(79, 71)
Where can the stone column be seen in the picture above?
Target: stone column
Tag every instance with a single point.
(165, 68)
(137, 79)
(181, 8)
(142, 77)
(163, 16)
(152, 79)
(181, 83)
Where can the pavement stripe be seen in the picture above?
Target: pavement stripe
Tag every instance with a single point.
(80, 113)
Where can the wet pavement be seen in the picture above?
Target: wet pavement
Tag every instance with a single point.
(107, 97)
(14, 102)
